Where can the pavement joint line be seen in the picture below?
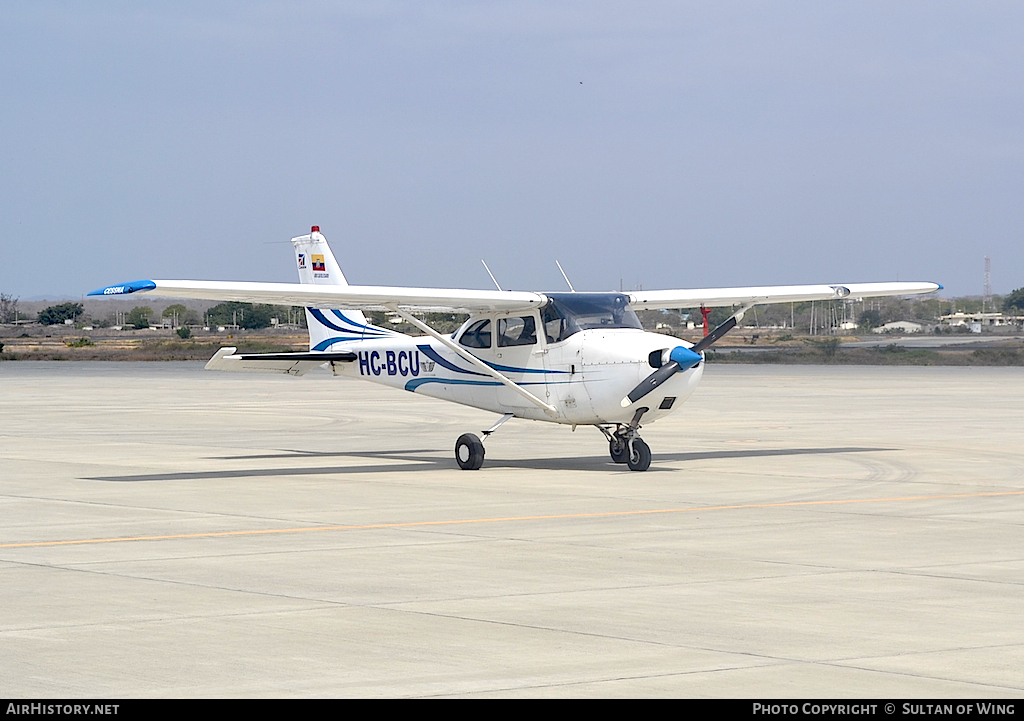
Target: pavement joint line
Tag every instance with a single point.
(595, 681)
(771, 661)
(921, 652)
(927, 677)
(398, 604)
(508, 519)
(327, 603)
(944, 577)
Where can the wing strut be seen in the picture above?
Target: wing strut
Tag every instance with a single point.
(469, 357)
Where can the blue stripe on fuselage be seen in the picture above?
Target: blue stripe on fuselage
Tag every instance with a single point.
(372, 328)
(362, 330)
(416, 383)
(325, 344)
(435, 356)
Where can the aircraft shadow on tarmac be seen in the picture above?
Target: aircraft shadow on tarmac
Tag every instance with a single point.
(420, 460)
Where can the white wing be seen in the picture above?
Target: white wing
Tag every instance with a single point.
(711, 297)
(369, 297)
(352, 297)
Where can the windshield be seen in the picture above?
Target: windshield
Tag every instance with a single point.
(568, 313)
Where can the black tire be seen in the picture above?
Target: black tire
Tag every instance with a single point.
(617, 450)
(639, 455)
(469, 452)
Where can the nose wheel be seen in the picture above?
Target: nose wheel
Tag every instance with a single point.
(639, 458)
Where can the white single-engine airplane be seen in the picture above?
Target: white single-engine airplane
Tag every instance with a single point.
(572, 358)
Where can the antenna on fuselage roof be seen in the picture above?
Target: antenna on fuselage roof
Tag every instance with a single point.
(573, 290)
(490, 274)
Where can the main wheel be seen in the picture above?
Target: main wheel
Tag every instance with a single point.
(469, 452)
(639, 455)
(618, 450)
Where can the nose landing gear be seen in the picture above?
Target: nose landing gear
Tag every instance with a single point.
(626, 446)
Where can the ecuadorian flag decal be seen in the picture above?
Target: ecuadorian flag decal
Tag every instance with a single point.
(318, 262)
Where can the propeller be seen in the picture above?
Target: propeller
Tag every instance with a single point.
(680, 359)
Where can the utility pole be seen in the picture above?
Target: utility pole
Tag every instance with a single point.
(986, 298)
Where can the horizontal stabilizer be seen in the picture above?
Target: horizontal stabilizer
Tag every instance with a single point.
(295, 364)
(321, 358)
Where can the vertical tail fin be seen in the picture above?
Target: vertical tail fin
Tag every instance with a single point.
(317, 266)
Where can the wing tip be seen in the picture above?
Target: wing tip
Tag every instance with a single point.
(136, 286)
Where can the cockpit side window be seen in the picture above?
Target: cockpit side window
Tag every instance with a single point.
(554, 324)
(517, 331)
(478, 335)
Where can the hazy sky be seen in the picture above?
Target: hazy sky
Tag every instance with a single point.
(668, 144)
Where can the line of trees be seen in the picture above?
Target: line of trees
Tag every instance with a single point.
(250, 316)
(253, 315)
(243, 315)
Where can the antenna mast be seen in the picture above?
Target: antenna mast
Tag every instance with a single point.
(495, 281)
(565, 276)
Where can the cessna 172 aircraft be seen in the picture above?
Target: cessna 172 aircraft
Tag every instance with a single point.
(572, 358)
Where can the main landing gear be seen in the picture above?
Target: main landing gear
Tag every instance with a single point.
(469, 452)
(469, 449)
(626, 446)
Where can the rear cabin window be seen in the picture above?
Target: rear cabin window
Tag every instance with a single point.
(517, 331)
